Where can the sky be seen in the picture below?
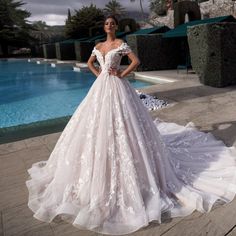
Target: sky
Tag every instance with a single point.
(54, 12)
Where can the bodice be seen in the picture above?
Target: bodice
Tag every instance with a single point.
(112, 58)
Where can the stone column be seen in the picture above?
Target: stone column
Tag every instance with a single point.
(49, 51)
(155, 52)
(213, 53)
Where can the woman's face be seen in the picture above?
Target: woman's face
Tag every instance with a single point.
(110, 25)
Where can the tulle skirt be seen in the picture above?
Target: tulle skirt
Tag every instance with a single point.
(113, 169)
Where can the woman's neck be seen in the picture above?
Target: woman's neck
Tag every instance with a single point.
(111, 37)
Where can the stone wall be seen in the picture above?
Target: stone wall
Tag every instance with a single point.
(213, 50)
(49, 51)
(65, 51)
(83, 50)
(155, 52)
(186, 7)
(131, 23)
(36, 51)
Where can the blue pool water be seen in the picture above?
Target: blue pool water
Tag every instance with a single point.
(31, 92)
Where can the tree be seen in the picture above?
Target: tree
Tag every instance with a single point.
(141, 7)
(159, 7)
(233, 3)
(86, 17)
(14, 28)
(142, 12)
(42, 32)
(69, 15)
(114, 8)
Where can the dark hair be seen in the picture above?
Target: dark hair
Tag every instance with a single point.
(112, 17)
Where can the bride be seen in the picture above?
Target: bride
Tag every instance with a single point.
(114, 170)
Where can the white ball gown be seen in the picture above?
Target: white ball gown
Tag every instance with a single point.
(113, 169)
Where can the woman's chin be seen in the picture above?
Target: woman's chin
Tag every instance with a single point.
(110, 31)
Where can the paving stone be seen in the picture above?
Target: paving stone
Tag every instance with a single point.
(215, 223)
(35, 154)
(38, 231)
(11, 164)
(82, 233)
(43, 139)
(39, 151)
(29, 162)
(12, 147)
(12, 180)
(50, 146)
(51, 138)
(232, 231)
(13, 197)
(21, 153)
(1, 225)
(20, 221)
(66, 229)
(32, 154)
(35, 141)
(155, 229)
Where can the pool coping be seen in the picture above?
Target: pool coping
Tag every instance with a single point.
(23, 131)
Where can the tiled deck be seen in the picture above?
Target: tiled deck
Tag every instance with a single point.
(211, 109)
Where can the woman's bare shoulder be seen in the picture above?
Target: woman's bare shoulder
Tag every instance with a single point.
(98, 45)
(119, 42)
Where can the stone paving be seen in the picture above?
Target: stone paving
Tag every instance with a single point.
(211, 109)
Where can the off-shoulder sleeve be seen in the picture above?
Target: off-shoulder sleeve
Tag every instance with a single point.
(125, 49)
(93, 52)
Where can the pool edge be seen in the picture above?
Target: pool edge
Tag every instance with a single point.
(24, 131)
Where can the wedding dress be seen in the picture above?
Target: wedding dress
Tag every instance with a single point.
(113, 169)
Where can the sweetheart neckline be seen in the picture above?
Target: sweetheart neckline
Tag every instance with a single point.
(104, 55)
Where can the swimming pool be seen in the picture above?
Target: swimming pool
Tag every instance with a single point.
(31, 92)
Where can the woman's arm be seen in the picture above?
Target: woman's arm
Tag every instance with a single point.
(91, 66)
(133, 65)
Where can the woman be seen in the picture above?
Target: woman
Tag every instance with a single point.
(110, 26)
(114, 170)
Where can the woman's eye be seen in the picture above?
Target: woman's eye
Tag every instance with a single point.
(110, 23)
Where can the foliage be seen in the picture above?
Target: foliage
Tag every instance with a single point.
(14, 28)
(124, 22)
(44, 33)
(141, 7)
(79, 24)
(68, 15)
(114, 8)
(158, 7)
(41, 31)
(142, 12)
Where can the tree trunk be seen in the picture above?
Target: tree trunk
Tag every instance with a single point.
(141, 6)
(233, 7)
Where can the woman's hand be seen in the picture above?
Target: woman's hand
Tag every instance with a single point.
(134, 63)
(98, 72)
(115, 72)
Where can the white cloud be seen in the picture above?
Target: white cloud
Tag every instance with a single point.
(50, 19)
(55, 11)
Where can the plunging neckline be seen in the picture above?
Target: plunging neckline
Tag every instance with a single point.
(104, 55)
